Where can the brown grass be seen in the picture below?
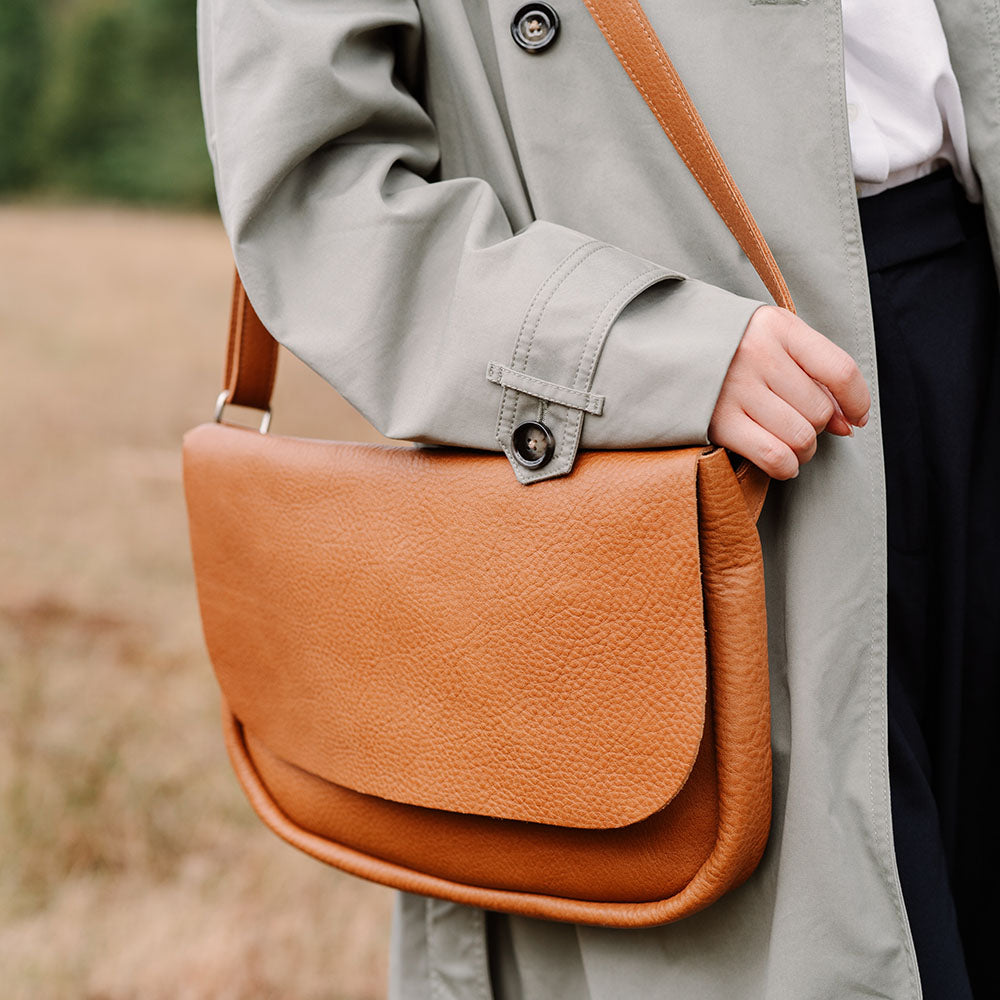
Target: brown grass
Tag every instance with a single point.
(130, 865)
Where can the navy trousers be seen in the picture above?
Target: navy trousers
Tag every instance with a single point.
(937, 335)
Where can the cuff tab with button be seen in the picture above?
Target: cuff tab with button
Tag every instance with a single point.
(547, 385)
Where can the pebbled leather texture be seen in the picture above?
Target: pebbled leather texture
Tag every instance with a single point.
(625, 864)
(447, 683)
(411, 623)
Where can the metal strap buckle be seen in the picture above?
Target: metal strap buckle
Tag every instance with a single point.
(220, 405)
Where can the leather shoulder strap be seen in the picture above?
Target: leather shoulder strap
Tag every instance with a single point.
(251, 355)
(627, 29)
(252, 352)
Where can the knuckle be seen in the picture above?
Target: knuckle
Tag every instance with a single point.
(767, 323)
(802, 438)
(784, 324)
(760, 320)
(724, 428)
(778, 461)
(845, 370)
(822, 413)
(787, 322)
(753, 345)
(725, 416)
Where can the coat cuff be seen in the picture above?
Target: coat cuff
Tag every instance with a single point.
(664, 363)
(550, 374)
(615, 351)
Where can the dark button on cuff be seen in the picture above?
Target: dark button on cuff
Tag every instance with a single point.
(532, 444)
(535, 26)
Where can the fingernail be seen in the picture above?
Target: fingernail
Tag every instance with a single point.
(864, 419)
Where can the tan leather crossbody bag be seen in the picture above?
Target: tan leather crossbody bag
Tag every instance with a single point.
(580, 735)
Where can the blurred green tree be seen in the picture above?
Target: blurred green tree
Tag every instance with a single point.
(20, 85)
(118, 114)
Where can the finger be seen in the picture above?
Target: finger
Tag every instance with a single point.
(746, 437)
(782, 420)
(838, 424)
(832, 366)
(788, 381)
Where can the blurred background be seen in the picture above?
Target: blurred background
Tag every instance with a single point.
(130, 864)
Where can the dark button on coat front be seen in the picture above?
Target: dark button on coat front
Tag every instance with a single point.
(535, 26)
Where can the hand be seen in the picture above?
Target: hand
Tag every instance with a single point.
(785, 385)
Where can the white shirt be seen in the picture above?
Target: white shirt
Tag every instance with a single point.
(904, 107)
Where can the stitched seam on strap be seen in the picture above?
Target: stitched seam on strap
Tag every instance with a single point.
(713, 153)
(701, 132)
(272, 367)
(231, 342)
(562, 395)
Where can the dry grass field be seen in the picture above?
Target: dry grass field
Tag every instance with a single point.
(130, 865)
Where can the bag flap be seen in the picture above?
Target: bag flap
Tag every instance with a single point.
(412, 623)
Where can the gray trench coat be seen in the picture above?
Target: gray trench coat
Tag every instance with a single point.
(400, 185)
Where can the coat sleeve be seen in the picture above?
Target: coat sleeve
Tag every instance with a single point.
(412, 295)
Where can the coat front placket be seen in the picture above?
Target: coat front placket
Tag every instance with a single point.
(823, 917)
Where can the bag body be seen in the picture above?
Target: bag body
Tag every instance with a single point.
(550, 701)
(547, 700)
